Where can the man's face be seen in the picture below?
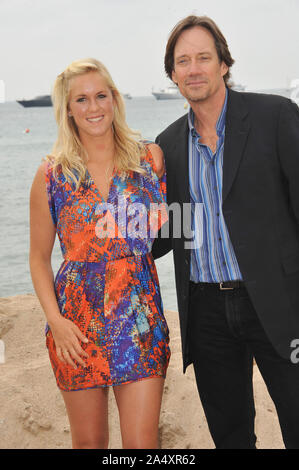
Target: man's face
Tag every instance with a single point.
(197, 70)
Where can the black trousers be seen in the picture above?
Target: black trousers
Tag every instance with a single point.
(224, 336)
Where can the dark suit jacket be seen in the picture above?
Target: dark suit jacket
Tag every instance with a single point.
(260, 203)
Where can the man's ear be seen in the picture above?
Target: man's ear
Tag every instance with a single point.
(173, 77)
(224, 69)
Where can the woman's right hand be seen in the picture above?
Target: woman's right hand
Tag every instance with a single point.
(67, 337)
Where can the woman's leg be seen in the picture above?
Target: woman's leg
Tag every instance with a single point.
(139, 405)
(88, 416)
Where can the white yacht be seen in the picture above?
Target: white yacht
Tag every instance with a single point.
(169, 93)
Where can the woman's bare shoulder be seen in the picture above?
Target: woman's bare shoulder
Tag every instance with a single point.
(38, 187)
(158, 158)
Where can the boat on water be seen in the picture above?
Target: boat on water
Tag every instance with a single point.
(169, 93)
(45, 100)
(291, 91)
(238, 87)
(39, 101)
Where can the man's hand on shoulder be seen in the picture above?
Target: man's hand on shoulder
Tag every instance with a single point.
(158, 158)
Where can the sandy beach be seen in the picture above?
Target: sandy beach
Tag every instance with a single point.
(32, 413)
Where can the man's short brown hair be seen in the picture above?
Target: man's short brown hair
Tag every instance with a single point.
(204, 22)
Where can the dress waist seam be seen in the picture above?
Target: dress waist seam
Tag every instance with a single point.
(67, 260)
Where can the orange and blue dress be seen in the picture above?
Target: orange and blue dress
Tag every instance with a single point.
(107, 283)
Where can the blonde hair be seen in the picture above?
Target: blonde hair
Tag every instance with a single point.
(68, 151)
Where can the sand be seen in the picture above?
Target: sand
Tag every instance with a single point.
(32, 412)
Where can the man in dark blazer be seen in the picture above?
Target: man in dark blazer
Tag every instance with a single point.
(237, 155)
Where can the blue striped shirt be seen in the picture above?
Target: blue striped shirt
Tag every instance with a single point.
(213, 259)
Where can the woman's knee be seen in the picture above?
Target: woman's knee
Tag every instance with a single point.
(142, 440)
(92, 442)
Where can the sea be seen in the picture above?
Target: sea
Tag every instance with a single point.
(26, 136)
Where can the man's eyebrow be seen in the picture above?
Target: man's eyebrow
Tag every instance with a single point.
(200, 53)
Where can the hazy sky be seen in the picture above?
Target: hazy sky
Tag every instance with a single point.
(39, 38)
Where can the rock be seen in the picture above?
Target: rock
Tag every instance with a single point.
(170, 431)
(6, 323)
(33, 419)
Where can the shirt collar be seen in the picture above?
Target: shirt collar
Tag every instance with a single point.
(220, 126)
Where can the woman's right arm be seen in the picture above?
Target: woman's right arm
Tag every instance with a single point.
(42, 237)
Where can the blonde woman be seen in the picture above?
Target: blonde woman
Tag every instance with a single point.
(105, 324)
